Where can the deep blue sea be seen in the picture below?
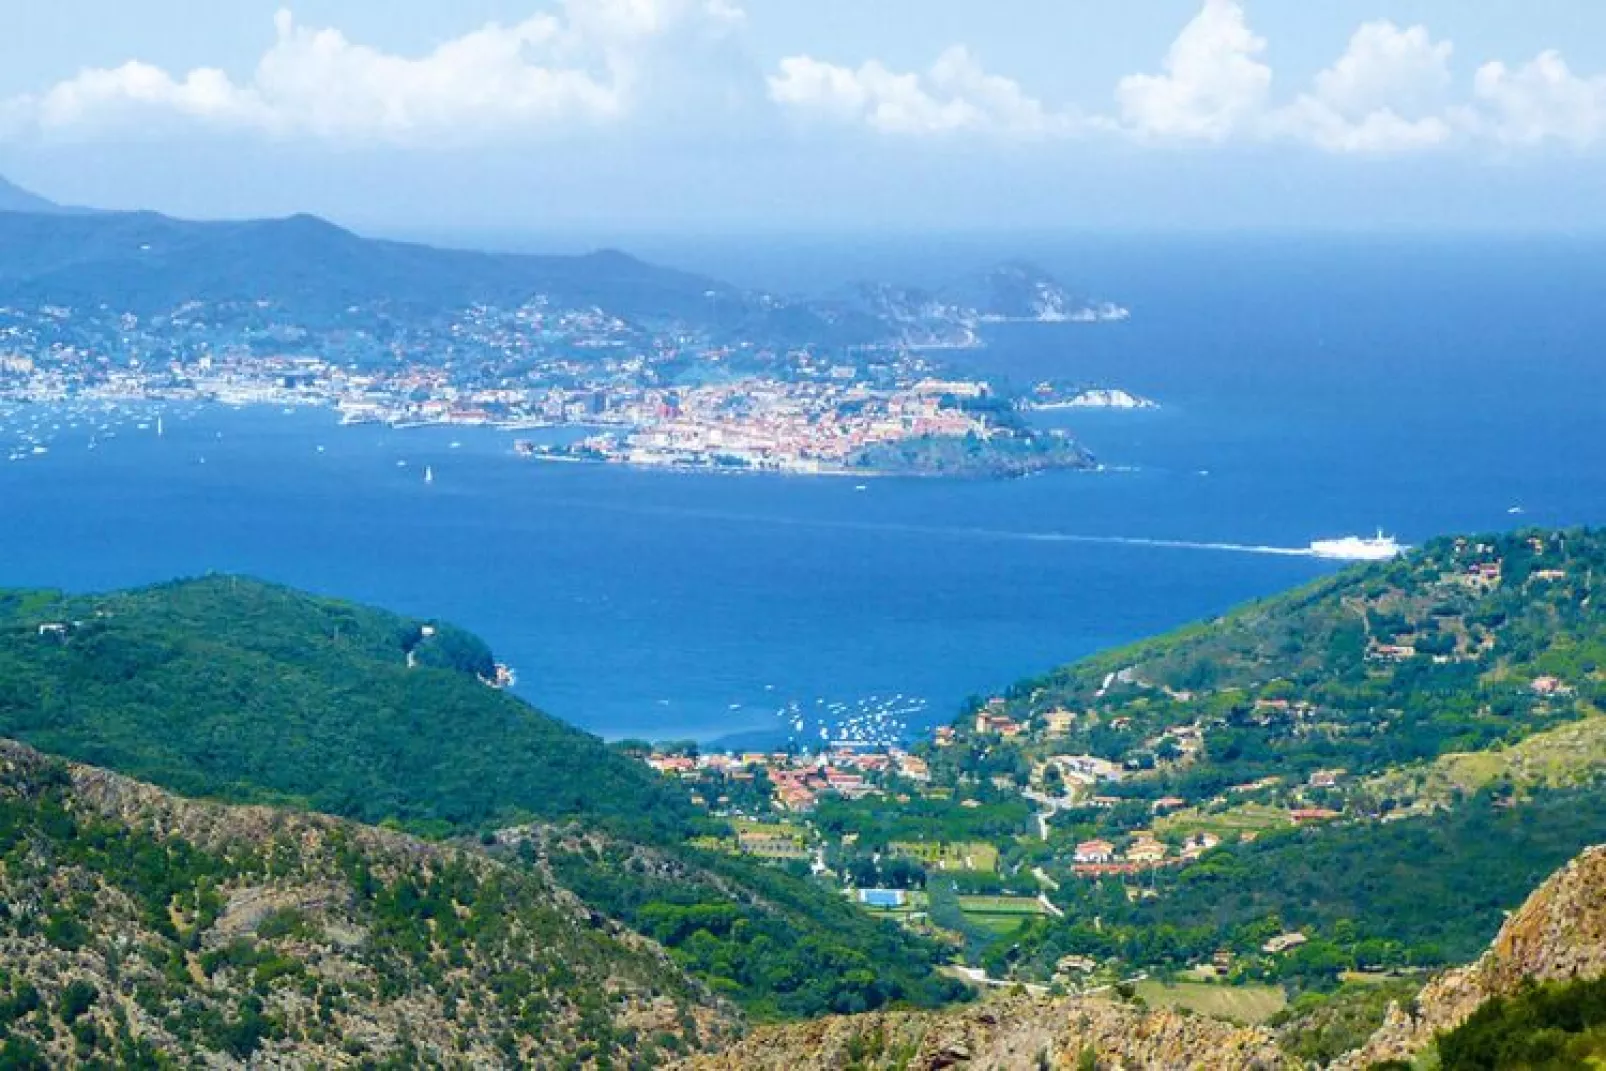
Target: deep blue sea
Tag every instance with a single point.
(1311, 387)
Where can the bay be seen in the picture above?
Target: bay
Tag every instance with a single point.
(1310, 388)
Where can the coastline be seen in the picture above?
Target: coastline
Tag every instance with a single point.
(835, 473)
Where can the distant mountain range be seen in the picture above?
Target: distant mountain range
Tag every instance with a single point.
(14, 198)
(953, 315)
(318, 275)
(143, 262)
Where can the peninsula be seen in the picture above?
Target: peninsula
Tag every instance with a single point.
(668, 368)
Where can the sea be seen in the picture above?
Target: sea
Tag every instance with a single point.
(1310, 387)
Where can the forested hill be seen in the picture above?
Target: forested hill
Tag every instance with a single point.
(1458, 645)
(243, 691)
(1378, 764)
(142, 930)
(231, 687)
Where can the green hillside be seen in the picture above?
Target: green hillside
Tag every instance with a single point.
(230, 687)
(142, 930)
(1378, 666)
(234, 689)
(1374, 766)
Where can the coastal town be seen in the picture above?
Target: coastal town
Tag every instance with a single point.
(636, 397)
(1117, 780)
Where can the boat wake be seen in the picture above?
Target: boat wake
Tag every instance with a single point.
(1164, 544)
(1335, 550)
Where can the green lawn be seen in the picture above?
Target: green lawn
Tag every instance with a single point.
(1000, 905)
(976, 856)
(1240, 1003)
(999, 914)
(1228, 824)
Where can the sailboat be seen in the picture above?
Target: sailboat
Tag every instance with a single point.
(429, 474)
(159, 427)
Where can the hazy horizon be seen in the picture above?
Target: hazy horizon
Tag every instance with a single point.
(757, 117)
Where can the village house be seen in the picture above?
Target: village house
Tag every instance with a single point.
(1059, 722)
(1095, 851)
(1325, 778)
(1307, 815)
(1088, 767)
(1002, 724)
(1285, 942)
(1547, 686)
(851, 785)
(1146, 850)
(913, 767)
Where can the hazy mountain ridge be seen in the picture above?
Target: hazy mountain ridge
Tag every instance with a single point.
(147, 263)
(319, 277)
(14, 198)
(952, 316)
(142, 926)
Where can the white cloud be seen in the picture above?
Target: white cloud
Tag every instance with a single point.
(1386, 67)
(545, 72)
(1539, 102)
(1213, 83)
(955, 95)
(673, 65)
(1391, 91)
(204, 93)
(1386, 93)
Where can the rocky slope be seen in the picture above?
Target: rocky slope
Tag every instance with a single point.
(143, 929)
(1004, 1034)
(1558, 934)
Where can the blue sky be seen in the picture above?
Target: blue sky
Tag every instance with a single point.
(845, 115)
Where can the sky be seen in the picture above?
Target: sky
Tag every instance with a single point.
(840, 116)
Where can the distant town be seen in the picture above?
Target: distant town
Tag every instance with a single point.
(659, 398)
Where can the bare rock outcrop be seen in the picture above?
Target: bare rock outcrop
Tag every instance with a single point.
(1557, 935)
(1005, 1034)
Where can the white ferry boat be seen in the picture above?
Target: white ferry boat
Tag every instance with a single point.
(1357, 549)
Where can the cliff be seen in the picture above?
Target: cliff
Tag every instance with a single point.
(1559, 934)
(1004, 1034)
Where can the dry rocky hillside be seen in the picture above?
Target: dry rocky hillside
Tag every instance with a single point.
(1005, 1034)
(141, 929)
(1559, 934)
